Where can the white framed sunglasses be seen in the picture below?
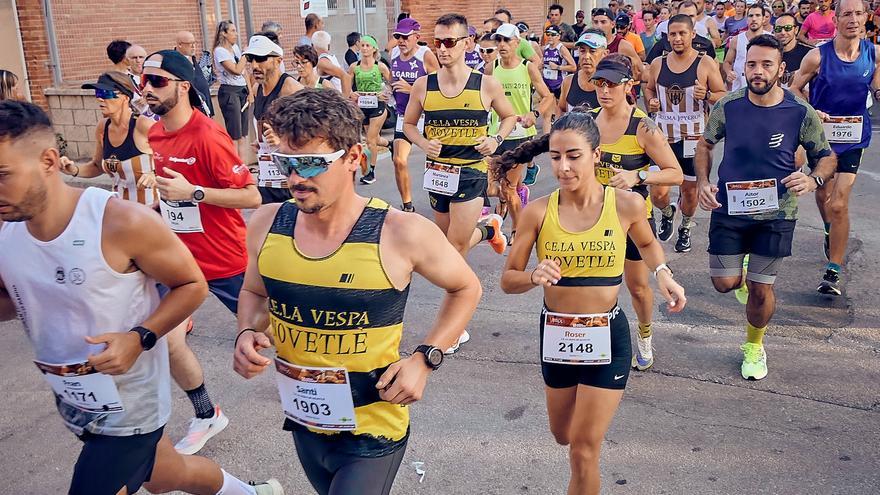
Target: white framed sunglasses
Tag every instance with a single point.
(306, 165)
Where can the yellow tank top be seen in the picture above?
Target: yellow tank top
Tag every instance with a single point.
(625, 153)
(339, 310)
(457, 122)
(593, 257)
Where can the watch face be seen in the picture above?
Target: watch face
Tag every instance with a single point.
(435, 357)
(198, 195)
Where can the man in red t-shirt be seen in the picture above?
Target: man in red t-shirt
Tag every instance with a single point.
(202, 183)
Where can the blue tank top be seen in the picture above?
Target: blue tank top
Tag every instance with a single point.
(842, 88)
(552, 55)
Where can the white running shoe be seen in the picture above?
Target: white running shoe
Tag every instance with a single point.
(461, 340)
(200, 431)
(644, 357)
(268, 487)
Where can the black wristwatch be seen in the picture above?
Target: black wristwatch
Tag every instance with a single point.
(433, 355)
(819, 181)
(498, 139)
(148, 338)
(643, 176)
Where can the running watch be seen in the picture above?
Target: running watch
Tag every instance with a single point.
(198, 194)
(643, 176)
(433, 355)
(819, 181)
(148, 338)
(498, 139)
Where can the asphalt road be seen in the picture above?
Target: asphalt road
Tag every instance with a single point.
(689, 425)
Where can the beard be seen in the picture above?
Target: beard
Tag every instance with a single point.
(762, 90)
(304, 205)
(34, 202)
(163, 106)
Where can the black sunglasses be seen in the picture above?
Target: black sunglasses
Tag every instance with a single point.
(257, 58)
(399, 36)
(156, 81)
(779, 29)
(448, 42)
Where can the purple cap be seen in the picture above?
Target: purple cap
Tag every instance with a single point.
(407, 26)
(472, 31)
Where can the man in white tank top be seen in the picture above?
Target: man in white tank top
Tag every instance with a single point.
(106, 362)
(735, 61)
(328, 65)
(705, 25)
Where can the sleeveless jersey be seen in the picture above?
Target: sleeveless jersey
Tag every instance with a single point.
(457, 122)
(368, 81)
(340, 310)
(335, 81)
(841, 89)
(681, 115)
(579, 96)
(407, 70)
(261, 104)
(551, 54)
(739, 63)
(518, 89)
(63, 291)
(472, 59)
(614, 46)
(126, 164)
(593, 257)
(626, 153)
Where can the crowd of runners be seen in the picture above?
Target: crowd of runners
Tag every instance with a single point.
(319, 275)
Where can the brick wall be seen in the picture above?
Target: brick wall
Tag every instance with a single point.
(427, 11)
(36, 51)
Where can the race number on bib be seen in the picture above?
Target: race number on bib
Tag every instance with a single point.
(690, 146)
(268, 170)
(752, 196)
(577, 339)
(843, 129)
(441, 178)
(368, 100)
(182, 216)
(79, 385)
(316, 397)
(550, 74)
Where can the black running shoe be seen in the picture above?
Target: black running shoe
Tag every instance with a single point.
(408, 207)
(827, 246)
(665, 230)
(683, 244)
(369, 178)
(830, 284)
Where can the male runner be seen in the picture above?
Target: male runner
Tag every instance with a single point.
(456, 139)
(328, 65)
(578, 89)
(662, 46)
(734, 63)
(793, 51)
(754, 205)
(270, 83)
(603, 19)
(680, 86)
(518, 78)
(80, 267)
(820, 26)
(201, 182)
(330, 275)
(705, 25)
(841, 74)
(409, 62)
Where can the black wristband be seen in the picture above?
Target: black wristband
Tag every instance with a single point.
(235, 344)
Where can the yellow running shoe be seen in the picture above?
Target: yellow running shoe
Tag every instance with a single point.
(754, 365)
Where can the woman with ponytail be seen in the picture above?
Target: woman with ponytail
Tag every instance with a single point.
(579, 234)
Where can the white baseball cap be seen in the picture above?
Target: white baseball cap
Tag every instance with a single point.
(507, 31)
(262, 46)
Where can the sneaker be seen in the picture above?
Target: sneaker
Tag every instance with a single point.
(268, 487)
(827, 246)
(754, 365)
(499, 240)
(742, 293)
(531, 175)
(523, 193)
(830, 284)
(465, 337)
(370, 177)
(644, 356)
(200, 431)
(408, 209)
(683, 244)
(665, 230)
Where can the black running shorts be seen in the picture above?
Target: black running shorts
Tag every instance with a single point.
(742, 235)
(471, 184)
(106, 463)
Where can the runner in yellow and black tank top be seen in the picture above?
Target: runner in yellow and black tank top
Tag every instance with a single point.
(626, 153)
(339, 311)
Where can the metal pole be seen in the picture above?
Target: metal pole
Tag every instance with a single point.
(203, 15)
(233, 13)
(218, 14)
(54, 58)
(248, 20)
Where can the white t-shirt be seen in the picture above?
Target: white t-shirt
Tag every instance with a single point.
(699, 28)
(224, 76)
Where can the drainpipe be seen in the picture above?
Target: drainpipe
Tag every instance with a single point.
(54, 59)
(203, 16)
(248, 20)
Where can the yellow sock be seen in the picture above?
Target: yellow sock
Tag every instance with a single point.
(754, 334)
(645, 330)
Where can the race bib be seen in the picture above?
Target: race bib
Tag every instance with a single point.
(398, 126)
(752, 196)
(79, 385)
(441, 178)
(269, 172)
(690, 146)
(551, 74)
(368, 100)
(843, 129)
(316, 397)
(182, 216)
(577, 339)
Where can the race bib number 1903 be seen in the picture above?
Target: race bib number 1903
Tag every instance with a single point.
(316, 397)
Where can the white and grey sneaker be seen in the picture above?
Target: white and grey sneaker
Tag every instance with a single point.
(200, 431)
(461, 340)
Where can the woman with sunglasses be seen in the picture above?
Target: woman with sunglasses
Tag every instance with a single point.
(121, 147)
(777, 9)
(579, 233)
(488, 49)
(558, 61)
(233, 94)
(630, 142)
(369, 76)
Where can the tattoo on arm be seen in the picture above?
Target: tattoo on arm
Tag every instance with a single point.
(649, 126)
